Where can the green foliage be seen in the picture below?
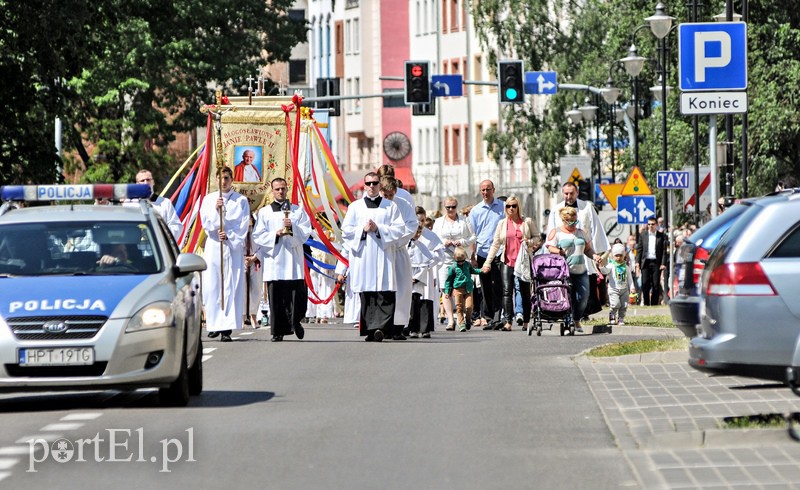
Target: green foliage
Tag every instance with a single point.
(582, 41)
(123, 76)
(640, 347)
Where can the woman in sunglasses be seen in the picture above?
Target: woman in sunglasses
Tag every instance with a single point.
(453, 230)
(513, 233)
(572, 244)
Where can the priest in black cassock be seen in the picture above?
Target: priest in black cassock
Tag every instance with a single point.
(281, 230)
(371, 229)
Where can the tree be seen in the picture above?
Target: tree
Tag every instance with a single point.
(581, 41)
(125, 75)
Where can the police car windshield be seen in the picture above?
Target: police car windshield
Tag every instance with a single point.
(77, 248)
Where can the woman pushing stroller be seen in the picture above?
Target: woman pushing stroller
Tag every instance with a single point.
(573, 244)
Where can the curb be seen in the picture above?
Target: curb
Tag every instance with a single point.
(718, 438)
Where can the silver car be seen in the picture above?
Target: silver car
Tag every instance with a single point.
(95, 297)
(750, 303)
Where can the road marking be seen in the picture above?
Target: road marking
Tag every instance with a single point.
(209, 350)
(4, 474)
(7, 463)
(205, 358)
(62, 426)
(247, 333)
(15, 450)
(82, 416)
(46, 437)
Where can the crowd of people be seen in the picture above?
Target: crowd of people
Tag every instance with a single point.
(406, 268)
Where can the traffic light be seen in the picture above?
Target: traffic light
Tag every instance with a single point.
(512, 83)
(418, 84)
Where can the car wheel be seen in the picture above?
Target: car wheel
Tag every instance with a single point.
(196, 372)
(177, 393)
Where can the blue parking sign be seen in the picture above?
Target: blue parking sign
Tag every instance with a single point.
(712, 56)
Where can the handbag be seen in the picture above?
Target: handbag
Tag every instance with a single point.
(522, 268)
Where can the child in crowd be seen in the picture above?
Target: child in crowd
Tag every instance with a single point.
(426, 252)
(459, 284)
(620, 283)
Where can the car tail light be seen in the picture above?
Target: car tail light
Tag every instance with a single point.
(698, 264)
(744, 279)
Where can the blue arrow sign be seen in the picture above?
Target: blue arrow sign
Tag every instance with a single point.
(712, 56)
(634, 210)
(672, 179)
(540, 82)
(447, 85)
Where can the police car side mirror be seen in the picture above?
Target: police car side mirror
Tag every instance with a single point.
(188, 263)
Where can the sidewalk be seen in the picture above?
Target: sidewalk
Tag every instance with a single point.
(667, 419)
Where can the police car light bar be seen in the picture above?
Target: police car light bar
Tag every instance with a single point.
(74, 192)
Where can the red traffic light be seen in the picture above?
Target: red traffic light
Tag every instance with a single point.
(416, 70)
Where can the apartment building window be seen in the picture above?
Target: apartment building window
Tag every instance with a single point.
(356, 36)
(477, 72)
(297, 72)
(466, 144)
(297, 14)
(444, 15)
(356, 91)
(351, 4)
(348, 87)
(454, 15)
(447, 146)
(464, 15)
(419, 19)
(432, 16)
(490, 151)
(492, 78)
(479, 145)
(456, 67)
(456, 145)
(339, 37)
(348, 33)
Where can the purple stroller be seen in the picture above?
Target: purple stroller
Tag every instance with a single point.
(550, 295)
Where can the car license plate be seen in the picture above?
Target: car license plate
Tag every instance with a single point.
(57, 356)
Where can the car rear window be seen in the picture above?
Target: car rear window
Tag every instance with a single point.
(709, 235)
(789, 248)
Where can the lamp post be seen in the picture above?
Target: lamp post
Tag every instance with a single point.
(610, 95)
(633, 66)
(660, 25)
(589, 114)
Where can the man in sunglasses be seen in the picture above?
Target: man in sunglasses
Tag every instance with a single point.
(483, 220)
(590, 223)
(371, 229)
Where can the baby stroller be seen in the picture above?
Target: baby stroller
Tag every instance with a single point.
(550, 295)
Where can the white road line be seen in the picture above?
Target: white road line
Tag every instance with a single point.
(81, 416)
(7, 463)
(4, 474)
(62, 426)
(209, 350)
(247, 333)
(205, 358)
(15, 450)
(46, 437)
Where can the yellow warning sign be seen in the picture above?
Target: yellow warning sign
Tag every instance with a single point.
(635, 185)
(575, 177)
(612, 192)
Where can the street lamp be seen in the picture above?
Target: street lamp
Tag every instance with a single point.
(575, 115)
(633, 66)
(661, 25)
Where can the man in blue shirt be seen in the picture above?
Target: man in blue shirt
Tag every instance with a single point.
(484, 219)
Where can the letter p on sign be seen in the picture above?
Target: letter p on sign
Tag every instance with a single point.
(712, 56)
(704, 44)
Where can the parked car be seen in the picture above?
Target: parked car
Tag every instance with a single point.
(694, 253)
(96, 297)
(749, 308)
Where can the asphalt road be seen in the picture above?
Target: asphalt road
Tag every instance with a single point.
(471, 410)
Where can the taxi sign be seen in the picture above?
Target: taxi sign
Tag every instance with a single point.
(74, 192)
(636, 185)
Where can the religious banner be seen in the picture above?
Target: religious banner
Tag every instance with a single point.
(255, 145)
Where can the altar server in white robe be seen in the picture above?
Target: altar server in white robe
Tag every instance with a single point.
(352, 300)
(402, 262)
(230, 238)
(280, 240)
(371, 229)
(427, 252)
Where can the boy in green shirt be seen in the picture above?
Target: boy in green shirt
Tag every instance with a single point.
(459, 284)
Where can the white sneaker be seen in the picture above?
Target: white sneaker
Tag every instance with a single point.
(519, 319)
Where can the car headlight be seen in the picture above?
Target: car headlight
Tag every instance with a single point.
(154, 315)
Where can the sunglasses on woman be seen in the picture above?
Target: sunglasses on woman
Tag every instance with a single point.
(511, 206)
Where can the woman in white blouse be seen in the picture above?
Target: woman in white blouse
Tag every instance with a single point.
(453, 229)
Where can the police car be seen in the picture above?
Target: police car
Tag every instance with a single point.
(95, 297)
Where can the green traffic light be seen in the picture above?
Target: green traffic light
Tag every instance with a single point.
(511, 94)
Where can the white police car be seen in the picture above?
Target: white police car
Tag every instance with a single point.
(95, 297)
